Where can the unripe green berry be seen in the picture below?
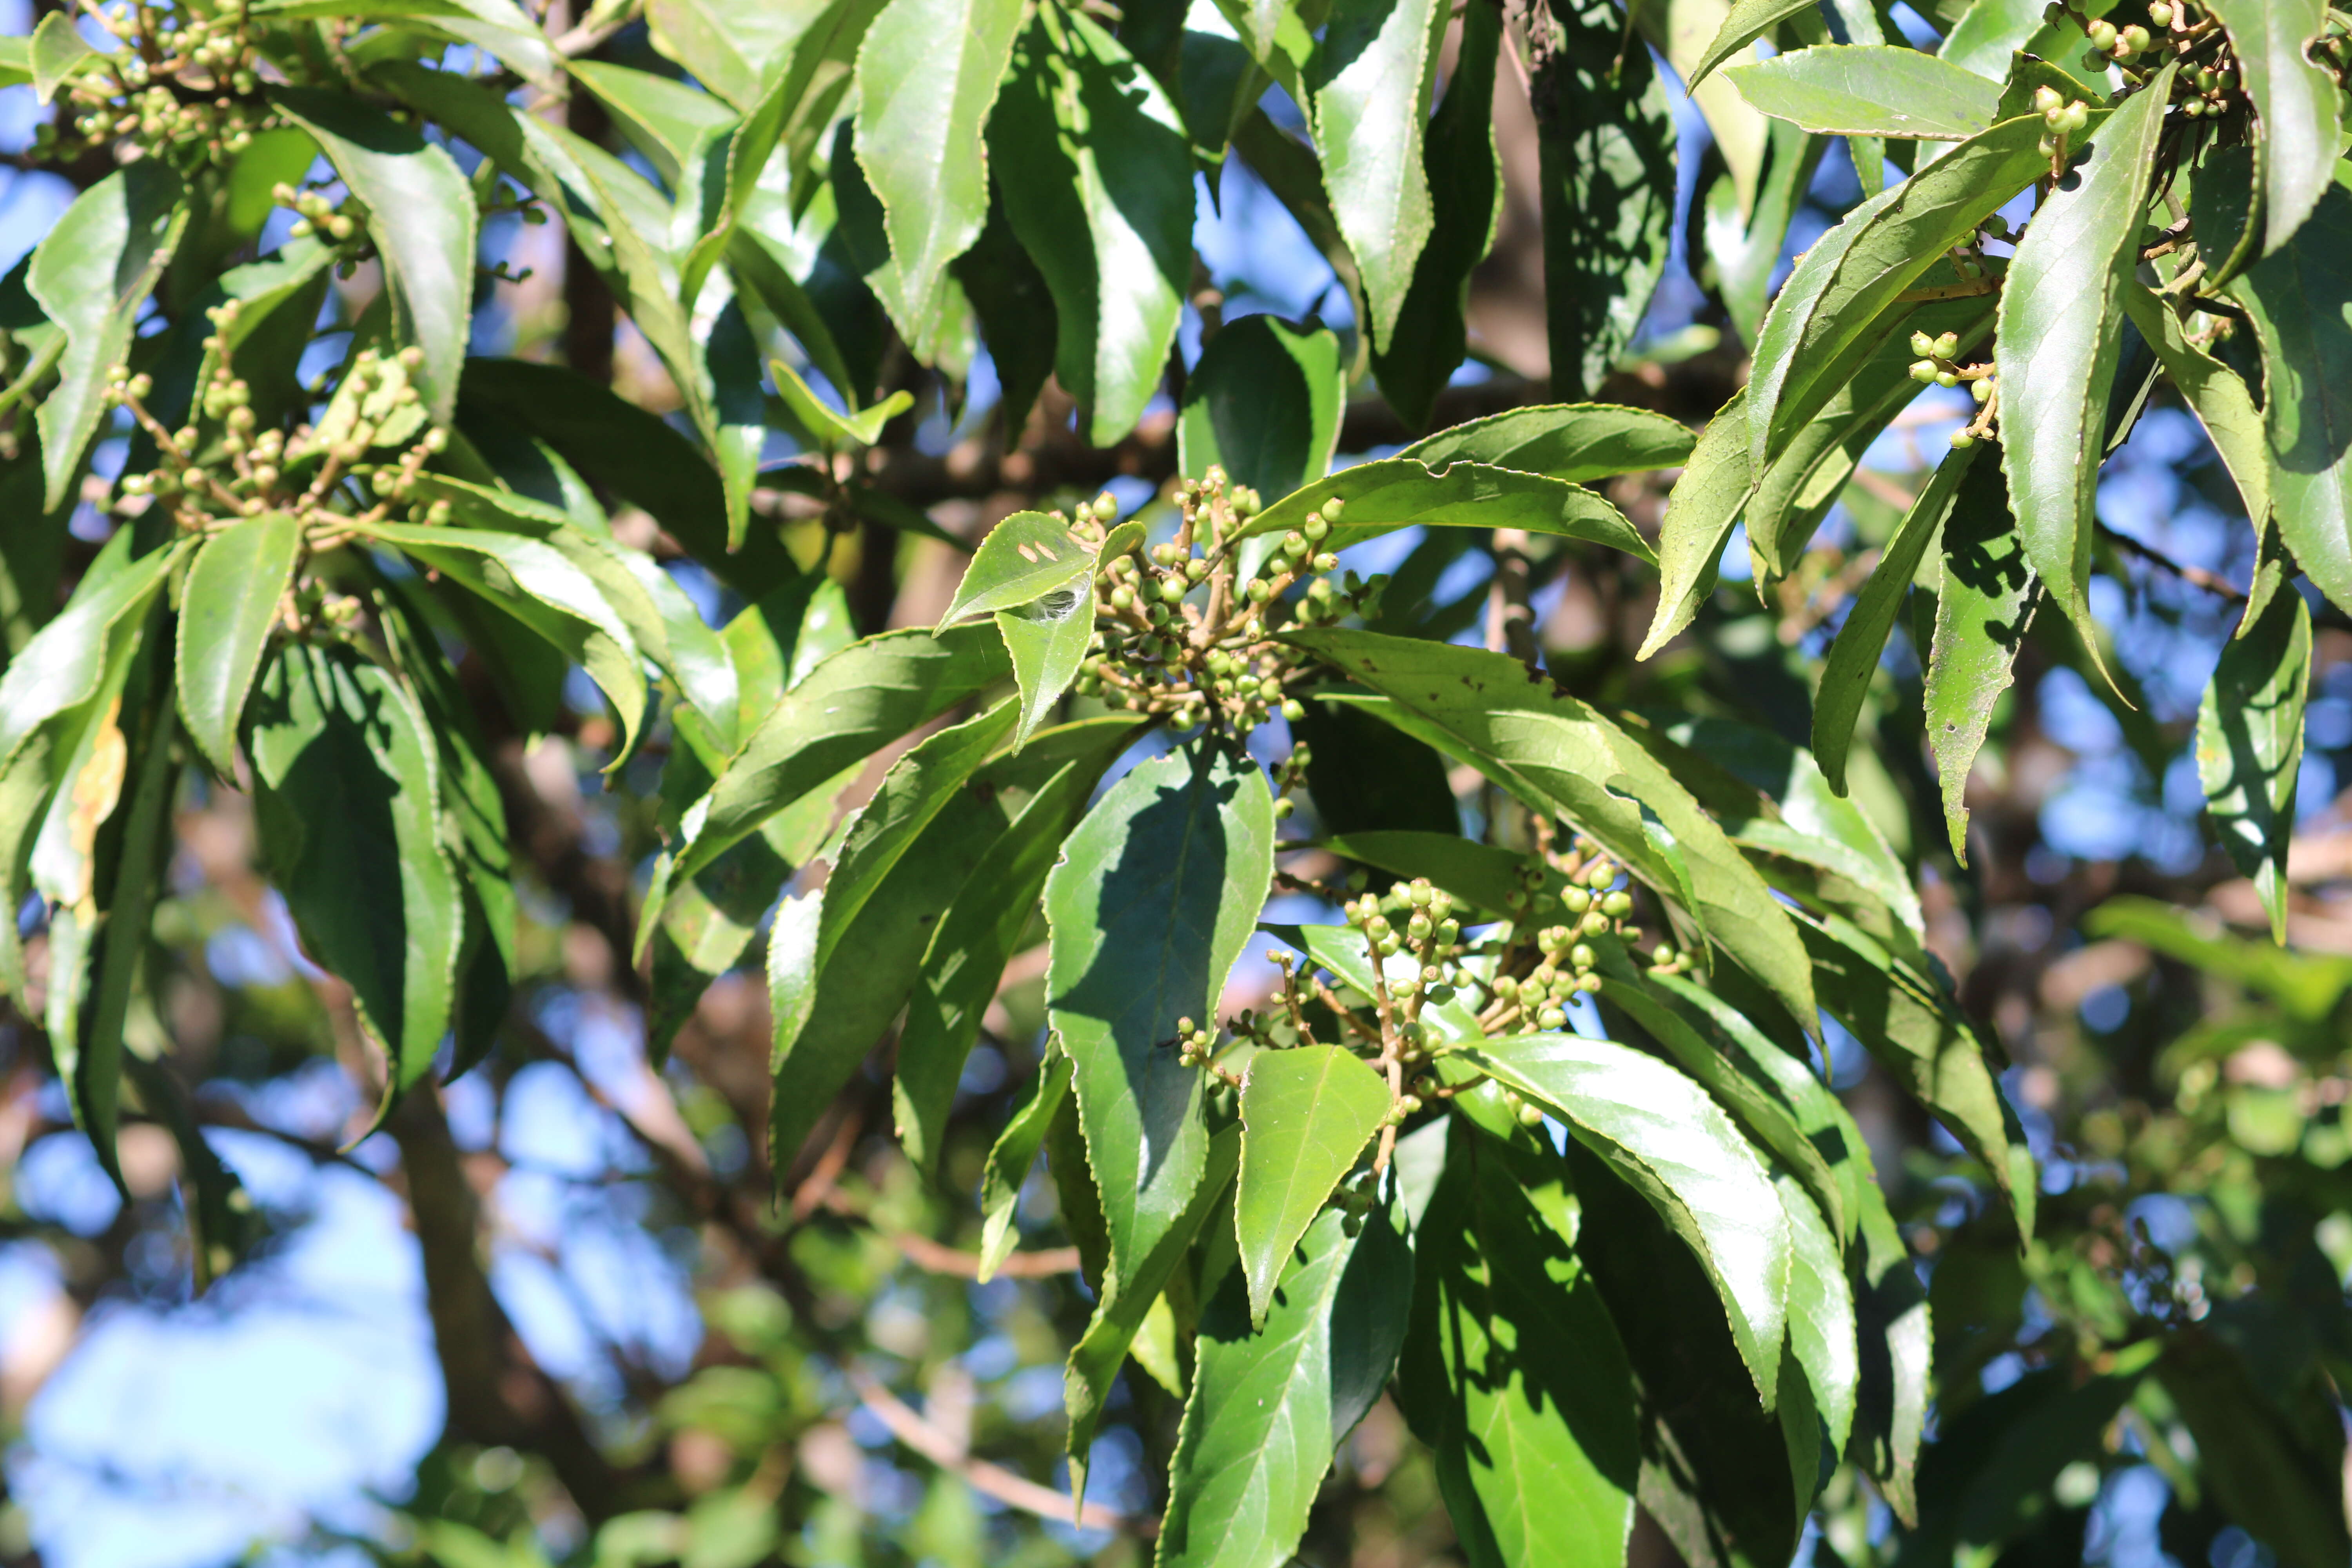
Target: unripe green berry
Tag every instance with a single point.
(1617, 906)
(1588, 984)
(1981, 390)
(1314, 528)
(1576, 899)
(2102, 34)
(1551, 1018)
(1946, 378)
(1173, 589)
(1294, 710)
(1582, 956)
(1922, 370)
(1962, 440)
(1921, 344)
(1283, 809)
(1947, 345)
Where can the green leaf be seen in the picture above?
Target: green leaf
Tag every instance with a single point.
(422, 226)
(1575, 442)
(346, 797)
(1023, 558)
(2300, 297)
(1264, 401)
(2061, 331)
(831, 428)
(1985, 601)
(1993, 33)
(734, 47)
(1853, 656)
(1016, 308)
(1871, 89)
(1822, 1313)
(498, 27)
(1307, 1114)
(1905, 1020)
(1399, 492)
(2250, 745)
(981, 930)
(1477, 874)
(1749, 21)
(1893, 1336)
(1746, 246)
(225, 616)
(1512, 1370)
(1430, 336)
(58, 54)
(677, 128)
(2263, 1471)
(1365, 777)
(1272, 1395)
(92, 273)
(64, 666)
(1104, 208)
(1047, 642)
(1607, 167)
(1549, 748)
(1011, 1157)
(924, 152)
(859, 699)
(2296, 101)
(1370, 85)
(1701, 511)
(1664, 1138)
(2307, 984)
(1181, 849)
(540, 586)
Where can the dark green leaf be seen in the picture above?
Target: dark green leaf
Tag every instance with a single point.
(1607, 145)
(2286, 1496)
(1365, 777)
(1015, 307)
(226, 616)
(2297, 102)
(1853, 656)
(2060, 333)
(1399, 492)
(2250, 745)
(422, 226)
(345, 798)
(1267, 1406)
(1577, 442)
(1985, 603)
(1104, 208)
(1307, 1114)
(1871, 89)
(1370, 83)
(1512, 1371)
(1264, 401)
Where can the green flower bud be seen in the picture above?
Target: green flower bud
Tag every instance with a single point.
(1258, 592)
(1283, 809)
(1946, 378)
(1922, 370)
(1532, 1116)
(1332, 509)
(1947, 345)
(1582, 956)
(1314, 528)
(1981, 390)
(1173, 589)
(1549, 1019)
(1294, 710)
(1195, 570)
(2131, 40)
(1594, 922)
(1122, 597)
(1601, 876)
(1921, 344)
(1962, 440)
(1588, 984)
(1576, 899)
(1617, 906)
(2102, 34)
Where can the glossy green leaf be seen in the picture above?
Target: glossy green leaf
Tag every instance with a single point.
(983, 928)
(1047, 642)
(2300, 297)
(731, 46)
(498, 27)
(2250, 745)
(870, 693)
(1272, 1394)
(2060, 333)
(1667, 1140)
(346, 796)
(1010, 1158)
(1024, 558)
(122, 231)
(1512, 1371)
(2296, 101)
(1606, 164)
(1400, 492)
(1985, 601)
(1749, 21)
(1549, 748)
(1157, 892)
(225, 616)
(540, 586)
(1821, 1312)
(924, 152)
(422, 228)
(825, 424)
(1701, 511)
(1429, 336)
(1575, 442)
(1264, 402)
(1104, 208)
(1853, 656)
(1871, 89)
(64, 666)
(1307, 1114)
(1371, 82)
(677, 129)
(58, 54)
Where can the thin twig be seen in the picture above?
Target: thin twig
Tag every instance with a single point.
(1015, 1491)
(2195, 576)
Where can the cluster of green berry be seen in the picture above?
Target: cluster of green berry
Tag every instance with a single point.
(1182, 632)
(183, 88)
(1937, 366)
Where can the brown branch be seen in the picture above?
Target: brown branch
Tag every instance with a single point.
(2195, 576)
(995, 1480)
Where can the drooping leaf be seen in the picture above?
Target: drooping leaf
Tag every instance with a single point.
(2297, 297)
(1307, 1114)
(1871, 89)
(346, 797)
(828, 425)
(924, 152)
(1104, 208)
(2296, 101)
(423, 224)
(1701, 512)
(1853, 656)
(498, 27)
(1370, 84)
(1606, 139)
(1398, 492)
(1575, 442)
(1985, 602)
(1273, 1396)
(1047, 642)
(92, 273)
(1178, 850)
(1264, 402)
(1023, 558)
(1011, 1157)
(1663, 1137)
(1512, 1371)
(2250, 745)
(2060, 333)
(1822, 1313)
(225, 616)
